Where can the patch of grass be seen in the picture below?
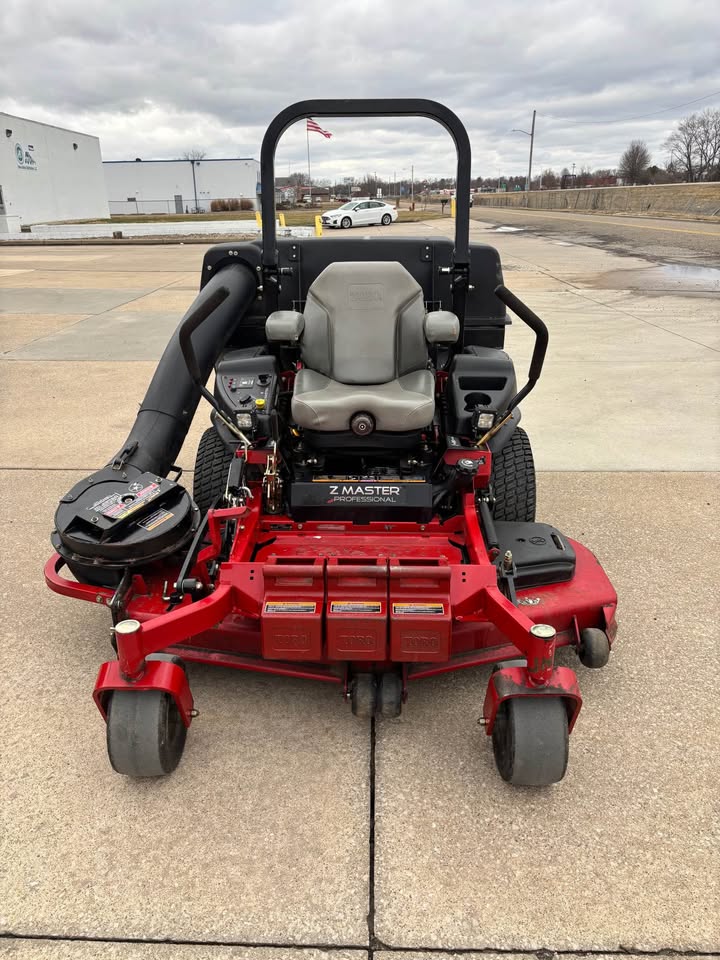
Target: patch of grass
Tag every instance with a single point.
(303, 217)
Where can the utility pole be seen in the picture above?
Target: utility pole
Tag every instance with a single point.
(412, 186)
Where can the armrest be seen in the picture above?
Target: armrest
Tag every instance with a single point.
(441, 326)
(284, 326)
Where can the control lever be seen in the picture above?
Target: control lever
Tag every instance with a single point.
(541, 341)
(536, 363)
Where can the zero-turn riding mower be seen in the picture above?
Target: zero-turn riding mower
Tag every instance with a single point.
(363, 507)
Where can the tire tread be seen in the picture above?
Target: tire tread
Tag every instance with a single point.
(513, 480)
(211, 468)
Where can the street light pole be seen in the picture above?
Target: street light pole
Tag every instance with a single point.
(192, 162)
(532, 141)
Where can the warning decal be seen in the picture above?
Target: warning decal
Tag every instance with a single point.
(155, 519)
(355, 606)
(290, 606)
(418, 609)
(118, 506)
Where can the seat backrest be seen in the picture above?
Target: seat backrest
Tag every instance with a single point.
(364, 323)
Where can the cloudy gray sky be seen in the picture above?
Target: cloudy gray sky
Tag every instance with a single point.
(152, 78)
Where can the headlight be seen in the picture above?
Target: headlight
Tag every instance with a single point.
(482, 421)
(245, 421)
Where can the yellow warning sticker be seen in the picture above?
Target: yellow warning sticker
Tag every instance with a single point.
(355, 606)
(155, 519)
(418, 609)
(290, 606)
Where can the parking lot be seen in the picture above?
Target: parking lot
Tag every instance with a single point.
(291, 829)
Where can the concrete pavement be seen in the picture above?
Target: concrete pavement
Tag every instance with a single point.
(262, 837)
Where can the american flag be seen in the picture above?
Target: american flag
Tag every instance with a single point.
(314, 127)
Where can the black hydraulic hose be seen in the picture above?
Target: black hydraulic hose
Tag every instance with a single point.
(173, 395)
(442, 489)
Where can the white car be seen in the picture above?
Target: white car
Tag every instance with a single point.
(360, 213)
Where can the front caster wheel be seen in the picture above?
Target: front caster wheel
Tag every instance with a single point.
(389, 699)
(145, 733)
(363, 695)
(530, 740)
(594, 649)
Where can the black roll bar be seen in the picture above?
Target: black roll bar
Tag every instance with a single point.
(368, 108)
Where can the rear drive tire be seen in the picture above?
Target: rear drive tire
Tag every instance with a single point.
(345, 223)
(386, 220)
(530, 741)
(513, 480)
(211, 469)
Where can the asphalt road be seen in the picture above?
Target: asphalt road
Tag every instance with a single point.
(656, 240)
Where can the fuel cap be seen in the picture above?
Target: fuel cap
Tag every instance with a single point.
(467, 467)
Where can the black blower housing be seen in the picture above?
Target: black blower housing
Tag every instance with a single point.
(128, 514)
(121, 517)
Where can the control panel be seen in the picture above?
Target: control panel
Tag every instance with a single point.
(247, 388)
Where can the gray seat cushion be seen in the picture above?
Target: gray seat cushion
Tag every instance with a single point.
(364, 350)
(364, 323)
(320, 403)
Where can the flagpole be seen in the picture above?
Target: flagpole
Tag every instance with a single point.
(307, 134)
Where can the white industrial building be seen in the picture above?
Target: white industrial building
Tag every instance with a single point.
(180, 186)
(48, 173)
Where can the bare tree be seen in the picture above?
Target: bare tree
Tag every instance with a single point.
(682, 149)
(549, 179)
(709, 143)
(694, 148)
(634, 162)
(194, 153)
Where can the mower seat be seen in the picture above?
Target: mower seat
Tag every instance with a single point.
(364, 340)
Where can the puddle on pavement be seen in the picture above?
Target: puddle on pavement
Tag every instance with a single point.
(666, 278)
(508, 229)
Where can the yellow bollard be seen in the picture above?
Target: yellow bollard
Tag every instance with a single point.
(258, 219)
(281, 218)
(318, 226)
(453, 206)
